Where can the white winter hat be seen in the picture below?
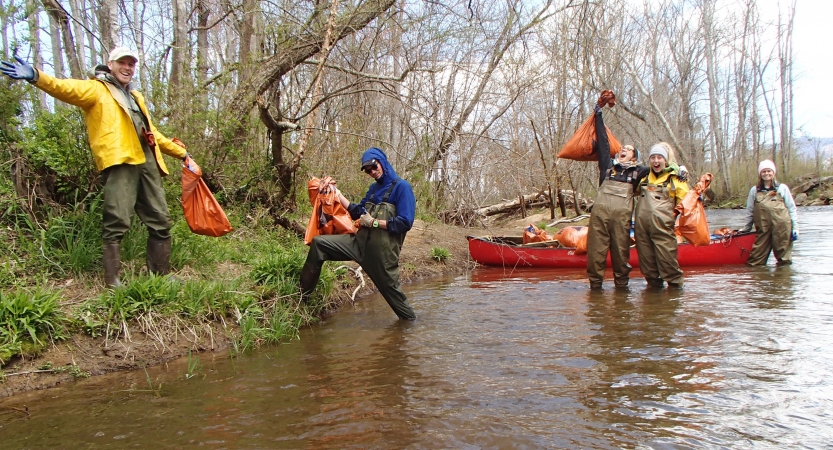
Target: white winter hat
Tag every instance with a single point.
(766, 164)
(120, 52)
(658, 149)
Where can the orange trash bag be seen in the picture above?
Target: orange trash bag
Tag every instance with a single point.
(534, 234)
(693, 225)
(580, 146)
(328, 215)
(573, 237)
(202, 212)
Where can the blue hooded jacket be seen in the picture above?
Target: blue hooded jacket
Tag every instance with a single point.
(402, 195)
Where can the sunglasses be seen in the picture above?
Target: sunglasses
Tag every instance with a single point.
(368, 169)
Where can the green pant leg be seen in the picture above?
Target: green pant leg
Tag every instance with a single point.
(647, 258)
(665, 249)
(334, 247)
(151, 205)
(782, 245)
(760, 250)
(380, 260)
(620, 247)
(120, 191)
(598, 242)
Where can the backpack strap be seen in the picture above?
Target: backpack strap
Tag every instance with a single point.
(390, 189)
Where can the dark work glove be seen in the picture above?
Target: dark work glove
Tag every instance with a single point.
(794, 236)
(18, 71)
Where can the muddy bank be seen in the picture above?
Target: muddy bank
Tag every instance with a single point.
(81, 355)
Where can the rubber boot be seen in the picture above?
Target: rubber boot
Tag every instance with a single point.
(159, 256)
(112, 265)
(309, 278)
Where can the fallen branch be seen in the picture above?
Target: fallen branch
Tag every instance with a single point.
(574, 219)
(359, 275)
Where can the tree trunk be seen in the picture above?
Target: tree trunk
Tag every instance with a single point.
(34, 43)
(108, 22)
(58, 16)
(718, 143)
(179, 52)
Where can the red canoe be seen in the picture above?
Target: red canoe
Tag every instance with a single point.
(508, 252)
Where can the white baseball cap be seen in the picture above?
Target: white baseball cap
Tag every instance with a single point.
(121, 52)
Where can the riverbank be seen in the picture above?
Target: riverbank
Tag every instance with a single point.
(155, 337)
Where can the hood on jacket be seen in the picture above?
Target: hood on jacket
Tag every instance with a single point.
(389, 174)
(102, 72)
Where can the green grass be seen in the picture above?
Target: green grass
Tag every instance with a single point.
(245, 283)
(440, 254)
(29, 321)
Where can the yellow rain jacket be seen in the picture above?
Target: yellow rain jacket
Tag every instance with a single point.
(679, 189)
(113, 138)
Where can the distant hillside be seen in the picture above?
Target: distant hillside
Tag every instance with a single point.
(806, 147)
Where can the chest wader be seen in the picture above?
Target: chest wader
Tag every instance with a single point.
(375, 249)
(773, 229)
(656, 243)
(609, 230)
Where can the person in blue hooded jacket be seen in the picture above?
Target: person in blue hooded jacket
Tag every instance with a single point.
(386, 213)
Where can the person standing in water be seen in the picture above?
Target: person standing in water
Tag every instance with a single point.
(610, 220)
(386, 213)
(770, 207)
(655, 215)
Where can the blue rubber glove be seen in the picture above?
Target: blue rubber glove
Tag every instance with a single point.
(794, 237)
(18, 71)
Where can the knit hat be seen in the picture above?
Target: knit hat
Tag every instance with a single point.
(658, 149)
(766, 164)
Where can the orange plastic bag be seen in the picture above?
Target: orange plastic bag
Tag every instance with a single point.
(328, 215)
(693, 225)
(573, 237)
(534, 234)
(580, 146)
(202, 212)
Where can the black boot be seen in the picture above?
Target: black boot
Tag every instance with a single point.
(309, 278)
(159, 255)
(112, 265)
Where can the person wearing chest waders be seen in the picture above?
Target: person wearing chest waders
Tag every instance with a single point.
(610, 220)
(770, 207)
(386, 213)
(127, 149)
(655, 215)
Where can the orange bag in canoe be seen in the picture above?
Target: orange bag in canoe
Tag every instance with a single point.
(534, 234)
(328, 215)
(202, 212)
(693, 224)
(573, 237)
(580, 146)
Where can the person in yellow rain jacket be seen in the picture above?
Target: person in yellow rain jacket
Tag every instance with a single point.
(655, 215)
(127, 149)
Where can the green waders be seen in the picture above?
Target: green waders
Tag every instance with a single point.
(129, 188)
(773, 227)
(609, 230)
(376, 250)
(656, 243)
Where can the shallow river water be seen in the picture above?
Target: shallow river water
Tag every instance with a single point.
(526, 359)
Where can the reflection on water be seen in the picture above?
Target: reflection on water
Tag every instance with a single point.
(497, 359)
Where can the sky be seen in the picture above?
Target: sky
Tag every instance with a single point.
(813, 70)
